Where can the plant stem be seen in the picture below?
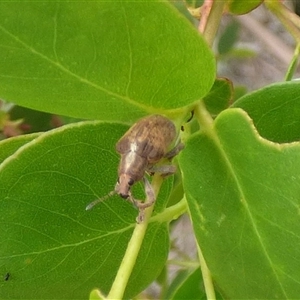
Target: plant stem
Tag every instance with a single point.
(289, 19)
(133, 248)
(207, 280)
(184, 264)
(293, 64)
(213, 20)
(203, 117)
(171, 213)
(206, 122)
(292, 23)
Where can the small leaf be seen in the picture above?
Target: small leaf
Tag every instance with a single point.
(228, 37)
(49, 240)
(238, 92)
(182, 8)
(113, 60)
(243, 196)
(239, 7)
(219, 96)
(96, 295)
(275, 111)
(194, 3)
(187, 285)
(33, 120)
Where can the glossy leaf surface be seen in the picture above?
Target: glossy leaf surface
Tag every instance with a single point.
(275, 110)
(219, 96)
(50, 245)
(242, 7)
(11, 145)
(113, 60)
(244, 204)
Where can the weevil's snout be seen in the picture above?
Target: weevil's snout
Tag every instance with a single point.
(124, 196)
(123, 185)
(122, 191)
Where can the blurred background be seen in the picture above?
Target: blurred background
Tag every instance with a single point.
(262, 48)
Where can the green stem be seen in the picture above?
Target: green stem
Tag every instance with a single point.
(171, 213)
(213, 21)
(184, 264)
(207, 280)
(206, 124)
(289, 19)
(133, 248)
(203, 117)
(293, 65)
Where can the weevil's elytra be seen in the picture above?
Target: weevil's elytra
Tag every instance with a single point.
(141, 147)
(146, 142)
(149, 138)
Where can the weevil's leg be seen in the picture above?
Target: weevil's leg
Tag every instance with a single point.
(150, 200)
(137, 204)
(149, 193)
(164, 170)
(141, 216)
(142, 205)
(169, 155)
(134, 201)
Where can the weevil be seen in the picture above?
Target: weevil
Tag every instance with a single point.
(145, 144)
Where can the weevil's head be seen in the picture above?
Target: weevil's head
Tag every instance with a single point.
(124, 183)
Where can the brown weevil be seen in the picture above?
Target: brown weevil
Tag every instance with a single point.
(145, 144)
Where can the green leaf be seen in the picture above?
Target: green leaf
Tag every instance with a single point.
(182, 8)
(293, 65)
(228, 37)
(50, 245)
(11, 145)
(275, 111)
(89, 59)
(238, 53)
(238, 92)
(96, 295)
(239, 7)
(219, 96)
(243, 196)
(194, 3)
(36, 121)
(187, 285)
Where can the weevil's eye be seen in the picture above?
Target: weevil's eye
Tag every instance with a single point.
(130, 181)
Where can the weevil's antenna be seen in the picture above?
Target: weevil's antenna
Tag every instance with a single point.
(92, 204)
